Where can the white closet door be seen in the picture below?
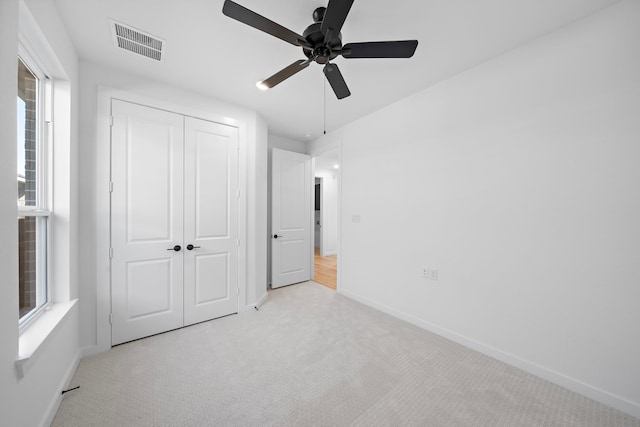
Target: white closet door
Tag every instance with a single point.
(211, 221)
(147, 221)
(290, 218)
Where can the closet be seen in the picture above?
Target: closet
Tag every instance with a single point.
(174, 220)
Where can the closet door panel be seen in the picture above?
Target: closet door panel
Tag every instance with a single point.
(211, 225)
(146, 221)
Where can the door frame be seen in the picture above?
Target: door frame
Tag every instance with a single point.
(334, 145)
(320, 240)
(103, 197)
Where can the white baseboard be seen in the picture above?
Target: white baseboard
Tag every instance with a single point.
(597, 394)
(52, 409)
(91, 350)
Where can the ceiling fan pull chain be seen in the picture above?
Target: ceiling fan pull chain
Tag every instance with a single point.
(324, 91)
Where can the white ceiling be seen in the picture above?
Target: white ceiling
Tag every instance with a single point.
(212, 54)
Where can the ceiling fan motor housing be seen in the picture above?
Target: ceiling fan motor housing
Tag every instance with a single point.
(321, 51)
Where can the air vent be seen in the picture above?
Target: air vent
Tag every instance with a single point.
(137, 41)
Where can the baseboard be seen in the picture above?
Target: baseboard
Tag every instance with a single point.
(558, 378)
(91, 350)
(52, 409)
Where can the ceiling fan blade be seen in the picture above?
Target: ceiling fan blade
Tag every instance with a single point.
(335, 15)
(259, 22)
(334, 76)
(395, 49)
(284, 74)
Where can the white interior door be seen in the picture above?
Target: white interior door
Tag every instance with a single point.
(291, 218)
(211, 221)
(147, 221)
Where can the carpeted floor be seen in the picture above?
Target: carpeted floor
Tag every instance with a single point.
(311, 357)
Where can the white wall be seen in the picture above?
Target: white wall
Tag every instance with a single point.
(257, 278)
(253, 132)
(33, 399)
(8, 222)
(519, 181)
(329, 210)
(283, 144)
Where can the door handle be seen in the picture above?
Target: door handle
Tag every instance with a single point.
(275, 236)
(175, 248)
(191, 247)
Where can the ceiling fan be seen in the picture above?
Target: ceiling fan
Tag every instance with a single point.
(321, 42)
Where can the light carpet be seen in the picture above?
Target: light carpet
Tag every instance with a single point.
(311, 357)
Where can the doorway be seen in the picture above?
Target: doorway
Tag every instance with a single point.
(290, 217)
(326, 172)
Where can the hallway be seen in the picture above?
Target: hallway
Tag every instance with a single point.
(325, 269)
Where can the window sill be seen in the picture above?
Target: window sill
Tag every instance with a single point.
(33, 338)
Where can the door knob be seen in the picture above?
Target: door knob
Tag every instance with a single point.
(175, 248)
(191, 247)
(275, 236)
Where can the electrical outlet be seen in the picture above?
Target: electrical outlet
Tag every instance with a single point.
(430, 273)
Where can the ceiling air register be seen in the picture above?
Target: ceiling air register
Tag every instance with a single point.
(136, 41)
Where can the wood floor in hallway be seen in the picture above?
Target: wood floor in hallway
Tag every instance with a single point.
(325, 269)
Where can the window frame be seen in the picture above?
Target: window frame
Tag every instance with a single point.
(44, 194)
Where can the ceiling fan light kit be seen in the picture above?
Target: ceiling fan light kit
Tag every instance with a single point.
(321, 42)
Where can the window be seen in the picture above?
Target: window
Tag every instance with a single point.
(33, 189)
